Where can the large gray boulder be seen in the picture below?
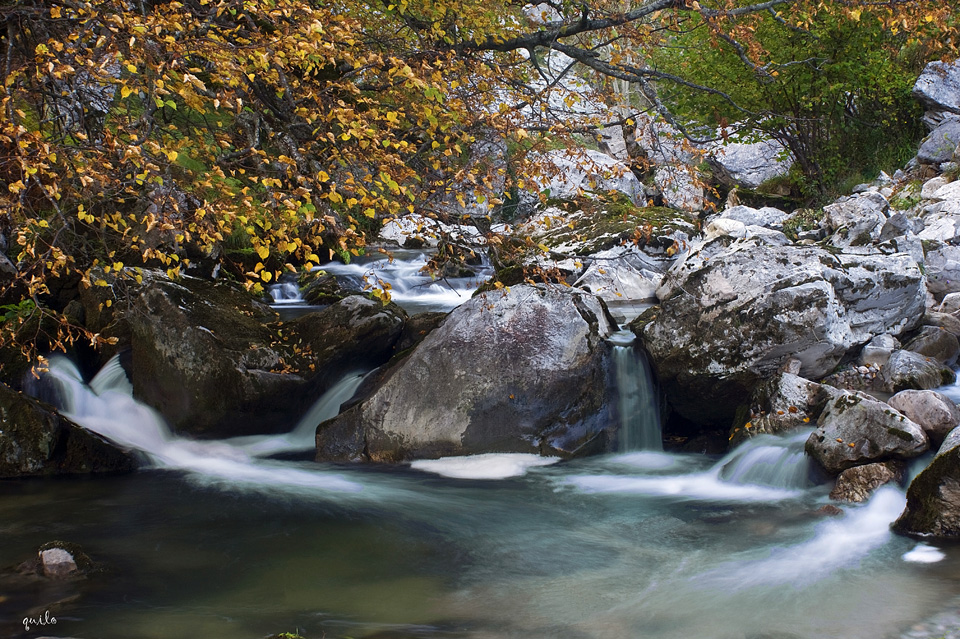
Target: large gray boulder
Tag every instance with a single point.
(942, 266)
(36, 441)
(854, 429)
(732, 313)
(933, 498)
(941, 144)
(857, 219)
(749, 164)
(521, 370)
(936, 414)
(938, 87)
(568, 173)
(766, 216)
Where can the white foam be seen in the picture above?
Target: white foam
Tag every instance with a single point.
(923, 554)
(837, 543)
(486, 466)
(106, 407)
(704, 486)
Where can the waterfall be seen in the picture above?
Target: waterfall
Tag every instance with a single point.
(107, 407)
(768, 460)
(637, 399)
(285, 293)
(411, 286)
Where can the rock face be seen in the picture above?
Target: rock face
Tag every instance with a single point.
(858, 483)
(732, 312)
(585, 170)
(206, 357)
(936, 414)
(855, 429)
(37, 441)
(750, 164)
(938, 87)
(933, 498)
(520, 371)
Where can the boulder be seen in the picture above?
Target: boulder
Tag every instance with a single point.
(622, 274)
(942, 266)
(938, 87)
(931, 186)
(941, 144)
(766, 216)
(522, 370)
(857, 219)
(749, 164)
(946, 321)
(941, 222)
(570, 173)
(935, 342)
(936, 414)
(855, 429)
(214, 362)
(35, 440)
(858, 483)
(679, 187)
(908, 370)
(732, 312)
(933, 498)
(877, 352)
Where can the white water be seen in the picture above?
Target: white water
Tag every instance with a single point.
(764, 468)
(106, 406)
(411, 286)
(285, 293)
(485, 466)
(637, 399)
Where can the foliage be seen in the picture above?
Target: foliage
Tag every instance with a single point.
(159, 133)
(834, 87)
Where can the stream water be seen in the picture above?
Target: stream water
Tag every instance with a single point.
(218, 540)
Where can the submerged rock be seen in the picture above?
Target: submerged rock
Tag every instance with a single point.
(522, 370)
(933, 498)
(733, 312)
(855, 429)
(35, 440)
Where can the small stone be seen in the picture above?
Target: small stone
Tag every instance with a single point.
(57, 563)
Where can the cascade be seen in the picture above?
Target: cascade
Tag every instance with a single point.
(410, 286)
(107, 407)
(637, 403)
(285, 293)
(768, 460)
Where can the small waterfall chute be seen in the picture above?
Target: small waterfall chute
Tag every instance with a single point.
(107, 407)
(768, 460)
(636, 396)
(287, 292)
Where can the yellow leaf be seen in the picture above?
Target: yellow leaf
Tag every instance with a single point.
(266, 276)
(263, 252)
(125, 91)
(172, 156)
(369, 212)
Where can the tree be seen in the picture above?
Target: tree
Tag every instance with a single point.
(153, 133)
